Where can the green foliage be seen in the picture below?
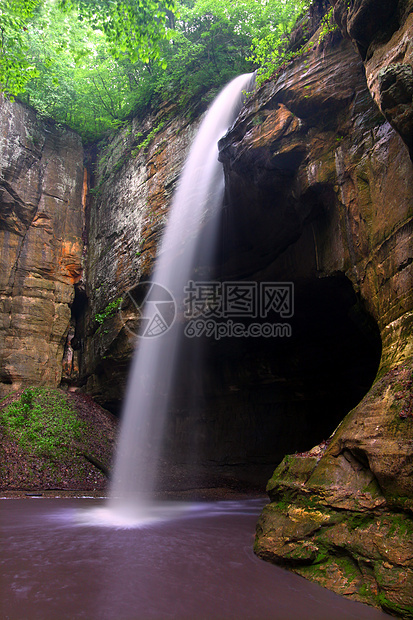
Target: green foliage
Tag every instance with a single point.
(91, 64)
(145, 143)
(209, 46)
(42, 421)
(79, 83)
(109, 311)
(328, 25)
(71, 59)
(16, 68)
(133, 28)
(271, 48)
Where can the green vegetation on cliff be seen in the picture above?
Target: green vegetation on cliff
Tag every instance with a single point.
(51, 439)
(15, 66)
(91, 64)
(42, 421)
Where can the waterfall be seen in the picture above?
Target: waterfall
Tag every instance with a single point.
(199, 195)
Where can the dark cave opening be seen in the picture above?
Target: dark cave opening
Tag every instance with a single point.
(246, 402)
(258, 399)
(78, 310)
(74, 345)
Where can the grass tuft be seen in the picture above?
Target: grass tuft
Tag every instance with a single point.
(42, 422)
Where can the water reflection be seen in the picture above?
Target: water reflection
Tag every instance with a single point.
(57, 563)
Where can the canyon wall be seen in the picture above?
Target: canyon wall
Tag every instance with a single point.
(132, 182)
(41, 225)
(319, 170)
(254, 401)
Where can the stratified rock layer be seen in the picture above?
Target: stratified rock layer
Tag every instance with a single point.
(133, 181)
(41, 223)
(382, 31)
(317, 174)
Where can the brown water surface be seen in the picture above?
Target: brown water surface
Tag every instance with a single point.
(57, 563)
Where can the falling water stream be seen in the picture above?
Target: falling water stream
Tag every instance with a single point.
(199, 196)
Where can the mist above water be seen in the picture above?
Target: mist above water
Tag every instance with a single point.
(199, 196)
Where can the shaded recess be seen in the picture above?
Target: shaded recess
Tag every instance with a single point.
(74, 345)
(78, 310)
(257, 399)
(253, 400)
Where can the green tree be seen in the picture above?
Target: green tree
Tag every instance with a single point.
(271, 47)
(136, 28)
(215, 40)
(208, 47)
(133, 28)
(78, 81)
(15, 67)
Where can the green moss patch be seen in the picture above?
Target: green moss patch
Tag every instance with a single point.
(42, 421)
(109, 311)
(51, 439)
(394, 608)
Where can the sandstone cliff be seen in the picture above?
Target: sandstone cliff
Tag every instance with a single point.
(41, 224)
(132, 182)
(317, 173)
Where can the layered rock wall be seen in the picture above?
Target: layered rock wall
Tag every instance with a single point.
(321, 174)
(41, 225)
(132, 184)
(381, 31)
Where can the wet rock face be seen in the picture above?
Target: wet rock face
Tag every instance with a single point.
(381, 30)
(324, 181)
(364, 19)
(132, 185)
(41, 225)
(396, 96)
(341, 204)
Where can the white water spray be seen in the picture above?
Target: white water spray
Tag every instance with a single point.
(200, 191)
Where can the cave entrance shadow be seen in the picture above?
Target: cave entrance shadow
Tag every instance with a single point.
(258, 399)
(253, 400)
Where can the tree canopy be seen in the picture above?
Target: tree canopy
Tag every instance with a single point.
(92, 63)
(15, 69)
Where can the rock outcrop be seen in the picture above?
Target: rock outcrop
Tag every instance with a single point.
(41, 225)
(132, 185)
(382, 32)
(325, 182)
